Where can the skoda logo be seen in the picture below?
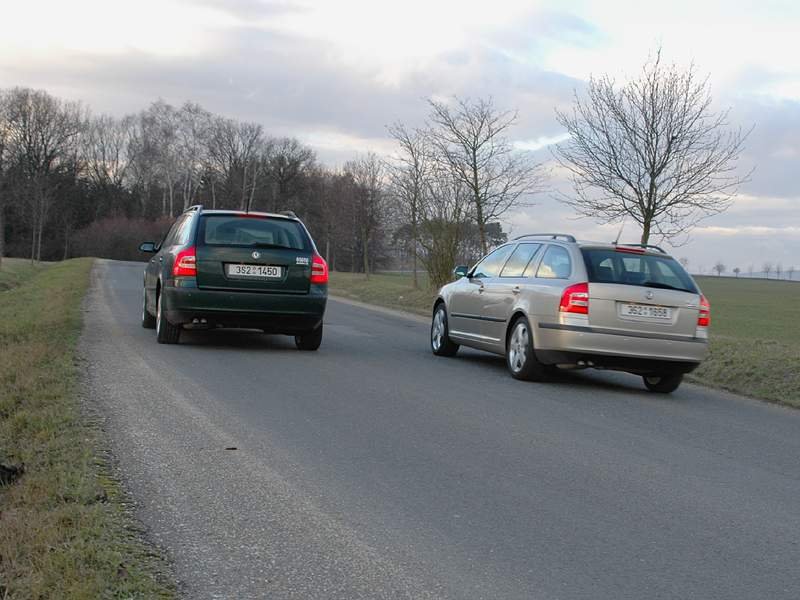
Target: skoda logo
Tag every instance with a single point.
(648, 295)
(257, 255)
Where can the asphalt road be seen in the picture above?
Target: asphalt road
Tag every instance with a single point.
(372, 469)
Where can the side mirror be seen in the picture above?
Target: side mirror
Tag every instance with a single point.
(460, 271)
(149, 247)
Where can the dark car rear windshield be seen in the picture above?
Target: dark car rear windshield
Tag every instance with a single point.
(263, 232)
(647, 270)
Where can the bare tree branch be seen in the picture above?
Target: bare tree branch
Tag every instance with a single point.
(652, 150)
(471, 139)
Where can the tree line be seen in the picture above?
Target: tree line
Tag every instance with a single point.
(651, 150)
(73, 183)
(766, 269)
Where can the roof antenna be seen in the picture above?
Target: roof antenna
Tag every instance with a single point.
(619, 235)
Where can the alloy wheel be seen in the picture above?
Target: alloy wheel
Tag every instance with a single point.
(518, 347)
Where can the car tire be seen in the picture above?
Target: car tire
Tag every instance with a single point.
(309, 341)
(441, 344)
(148, 320)
(662, 384)
(520, 356)
(166, 332)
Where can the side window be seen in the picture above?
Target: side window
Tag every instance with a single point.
(491, 265)
(515, 267)
(182, 234)
(555, 264)
(169, 239)
(606, 271)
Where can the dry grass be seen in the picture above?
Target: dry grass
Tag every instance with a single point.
(64, 532)
(385, 289)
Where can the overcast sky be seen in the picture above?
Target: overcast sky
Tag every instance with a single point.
(335, 73)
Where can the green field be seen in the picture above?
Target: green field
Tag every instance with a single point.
(755, 336)
(64, 531)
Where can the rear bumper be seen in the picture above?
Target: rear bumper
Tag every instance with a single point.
(637, 353)
(290, 314)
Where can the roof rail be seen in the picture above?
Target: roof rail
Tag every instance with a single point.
(646, 246)
(197, 207)
(552, 236)
(288, 213)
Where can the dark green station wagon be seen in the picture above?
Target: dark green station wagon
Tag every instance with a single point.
(224, 268)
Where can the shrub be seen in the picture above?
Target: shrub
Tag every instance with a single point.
(118, 237)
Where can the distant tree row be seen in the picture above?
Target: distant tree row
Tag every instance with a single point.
(73, 183)
(767, 268)
(76, 183)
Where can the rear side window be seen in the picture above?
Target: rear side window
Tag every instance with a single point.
(555, 264)
(515, 267)
(173, 235)
(648, 270)
(262, 232)
(491, 265)
(183, 232)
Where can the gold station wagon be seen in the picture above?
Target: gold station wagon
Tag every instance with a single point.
(548, 301)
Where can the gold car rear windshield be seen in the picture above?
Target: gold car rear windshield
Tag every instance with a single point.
(647, 270)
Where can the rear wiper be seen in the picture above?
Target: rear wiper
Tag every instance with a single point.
(664, 286)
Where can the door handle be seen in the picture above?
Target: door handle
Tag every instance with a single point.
(160, 259)
(480, 289)
(515, 289)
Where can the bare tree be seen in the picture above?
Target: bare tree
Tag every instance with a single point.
(471, 138)
(165, 131)
(778, 270)
(367, 174)
(719, 268)
(42, 139)
(235, 150)
(684, 262)
(409, 174)
(790, 272)
(445, 207)
(750, 270)
(143, 153)
(286, 163)
(736, 271)
(193, 126)
(3, 168)
(652, 150)
(105, 153)
(767, 268)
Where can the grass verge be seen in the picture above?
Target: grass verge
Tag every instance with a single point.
(755, 349)
(385, 289)
(64, 531)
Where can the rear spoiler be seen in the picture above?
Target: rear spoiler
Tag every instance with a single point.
(642, 246)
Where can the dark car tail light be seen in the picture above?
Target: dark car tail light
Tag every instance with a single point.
(704, 316)
(319, 270)
(575, 299)
(185, 263)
